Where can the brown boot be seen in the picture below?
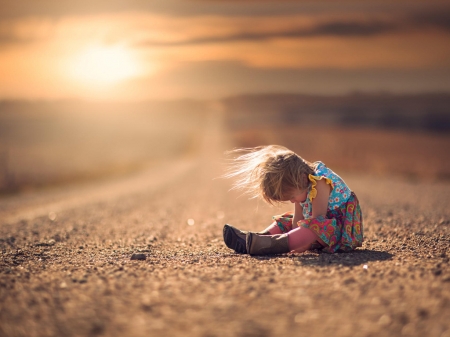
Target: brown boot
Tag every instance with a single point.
(235, 238)
(266, 244)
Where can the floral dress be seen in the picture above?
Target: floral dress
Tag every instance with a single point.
(342, 227)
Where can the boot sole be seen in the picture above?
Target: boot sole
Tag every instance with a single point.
(248, 243)
(233, 241)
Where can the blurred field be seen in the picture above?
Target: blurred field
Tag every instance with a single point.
(379, 135)
(413, 155)
(47, 143)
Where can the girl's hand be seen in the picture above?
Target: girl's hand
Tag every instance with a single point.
(320, 202)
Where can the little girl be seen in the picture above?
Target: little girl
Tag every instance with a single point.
(326, 212)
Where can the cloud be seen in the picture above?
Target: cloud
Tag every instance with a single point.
(217, 79)
(285, 22)
(57, 8)
(336, 28)
(296, 52)
(346, 28)
(24, 31)
(436, 19)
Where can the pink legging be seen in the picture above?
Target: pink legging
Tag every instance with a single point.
(299, 239)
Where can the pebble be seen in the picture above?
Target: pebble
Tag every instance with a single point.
(349, 280)
(138, 256)
(384, 320)
(46, 244)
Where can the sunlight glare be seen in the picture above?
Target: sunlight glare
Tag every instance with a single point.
(104, 65)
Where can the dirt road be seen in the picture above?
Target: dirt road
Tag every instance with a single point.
(66, 268)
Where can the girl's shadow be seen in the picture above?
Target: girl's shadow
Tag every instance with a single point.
(354, 258)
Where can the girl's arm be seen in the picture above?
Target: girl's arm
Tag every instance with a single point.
(320, 202)
(298, 215)
(306, 236)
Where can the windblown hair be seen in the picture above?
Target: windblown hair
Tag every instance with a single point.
(268, 172)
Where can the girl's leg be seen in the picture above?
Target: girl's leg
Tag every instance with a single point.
(272, 229)
(235, 238)
(281, 224)
(301, 239)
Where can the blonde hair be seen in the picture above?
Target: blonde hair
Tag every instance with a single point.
(268, 172)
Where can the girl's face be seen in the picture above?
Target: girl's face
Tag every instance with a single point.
(296, 195)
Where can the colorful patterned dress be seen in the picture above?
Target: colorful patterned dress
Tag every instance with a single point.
(342, 227)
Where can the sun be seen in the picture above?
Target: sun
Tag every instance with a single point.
(104, 65)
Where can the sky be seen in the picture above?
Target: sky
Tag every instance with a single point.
(207, 49)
